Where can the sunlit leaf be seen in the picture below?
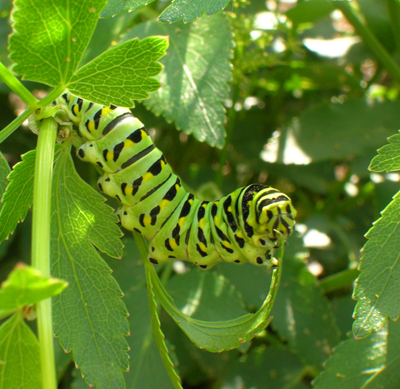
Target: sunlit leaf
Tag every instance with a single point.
(49, 39)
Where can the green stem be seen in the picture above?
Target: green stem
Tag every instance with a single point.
(393, 7)
(41, 243)
(369, 39)
(16, 86)
(7, 131)
(339, 280)
(155, 321)
(54, 94)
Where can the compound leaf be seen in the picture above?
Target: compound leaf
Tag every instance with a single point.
(121, 74)
(188, 10)
(90, 317)
(51, 36)
(196, 76)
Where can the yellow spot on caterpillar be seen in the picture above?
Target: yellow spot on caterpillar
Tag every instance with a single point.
(201, 223)
(128, 143)
(146, 220)
(226, 244)
(164, 203)
(172, 243)
(191, 201)
(110, 155)
(239, 234)
(230, 209)
(76, 109)
(217, 220)
(162, 164)
(128, 190)
(105, 111)
(143, 134)
(181, 221)
(147, 176)
(202, 247)
(91, 125)
(177, 187)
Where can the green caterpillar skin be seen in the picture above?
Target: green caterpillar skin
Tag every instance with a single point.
(242, 226)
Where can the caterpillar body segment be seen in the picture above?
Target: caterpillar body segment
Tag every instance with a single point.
(243, 226)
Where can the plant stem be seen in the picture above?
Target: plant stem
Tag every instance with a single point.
(41, 243)
(7, 131)
(16, 86)
(393, 7)
(369, 39)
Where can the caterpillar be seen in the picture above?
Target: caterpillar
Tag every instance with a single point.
(245, 225)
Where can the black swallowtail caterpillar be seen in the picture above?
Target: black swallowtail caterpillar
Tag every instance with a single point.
(242, 226)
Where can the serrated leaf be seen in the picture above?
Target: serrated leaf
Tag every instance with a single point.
(376, 287)
(25, 286)
(336, 131)
(50, 37)
(121, 74)
(19, 355)
(388, 158)
(188, 10)
(303, 316)
(90, 317)
(4, 172)
(266, 367)
(115, 7)
(370, 363)
(18, 196)
(206, 296)
(216, 336)
(195, 78)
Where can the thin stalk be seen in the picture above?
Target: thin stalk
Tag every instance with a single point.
(41, 243)
(16, 86)
(369, 39)
(7, 131)
(393, 7)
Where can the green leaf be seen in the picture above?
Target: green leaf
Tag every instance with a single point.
(376, 287)
(25, 286)
(115, 7)
(4, 172)
(196, 76)
(336, 131)
(206, 296)
(310, 11)
(121, 74)
(188, 10)
(388, 158)
(266, 367)
(19, 355)
(49, 39)
(369, 363)
(216, 336)
(90, 317)
(18, 196)
(302, 315)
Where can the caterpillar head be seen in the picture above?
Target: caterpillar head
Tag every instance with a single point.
(275, 214)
